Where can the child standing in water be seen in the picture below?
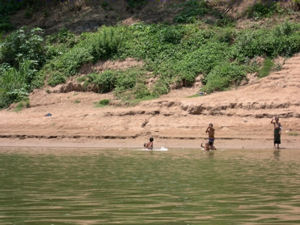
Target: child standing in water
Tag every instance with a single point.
(211, 138)
(149, 145)
(277, 131)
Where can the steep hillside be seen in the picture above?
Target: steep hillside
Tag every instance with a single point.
(83, 15)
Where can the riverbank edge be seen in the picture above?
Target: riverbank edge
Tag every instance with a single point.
(137, 142)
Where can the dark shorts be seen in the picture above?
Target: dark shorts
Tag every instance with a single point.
(277, 136)
(211, 141)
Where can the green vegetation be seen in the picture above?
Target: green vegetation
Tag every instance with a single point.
(102, 103)
(224, 75)
(22, 104)
(104, 82)
(191, 10)
(24, 44)
(15, 83)
(266, 68)
(293, 133)
(194, 10)
(127, 85)
(172, 54)
(91, 47)
(22, 54)
(282, 40)
(264, 9)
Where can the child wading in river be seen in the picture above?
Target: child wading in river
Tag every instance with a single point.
(211, 138)
(277, 131)
(149, 145)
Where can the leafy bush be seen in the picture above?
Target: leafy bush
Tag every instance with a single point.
(23, 44)
(224, 75)
(171, 34)
(100, 45)
(4, 67)
(56, 78)
(282, 40)
(191, 10)
(126, 81)
(227, 35)
(62, 37)
(15, 83)
(202, 60)
(106, 81)
(161, 87)
(262, 9)
(141, 91)
(128, 84)
(104, 43)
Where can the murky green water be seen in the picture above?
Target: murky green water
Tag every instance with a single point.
(67, 186)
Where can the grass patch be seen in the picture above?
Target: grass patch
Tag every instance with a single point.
(77, 101)
(102, 103)
(266, 68)
(293, 133)
(135, 101)
(23, 104)
(81, 79)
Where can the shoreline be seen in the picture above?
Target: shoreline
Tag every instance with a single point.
(133, 143)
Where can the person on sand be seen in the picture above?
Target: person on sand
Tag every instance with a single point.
(149, 145)
(277, 131)
(211, 138)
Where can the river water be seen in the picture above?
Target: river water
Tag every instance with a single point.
(106, 186)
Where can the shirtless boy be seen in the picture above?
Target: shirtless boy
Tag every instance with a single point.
(277, 131)
(149, 145)
(211, 138)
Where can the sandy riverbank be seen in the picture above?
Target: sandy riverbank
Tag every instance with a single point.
(241, 117)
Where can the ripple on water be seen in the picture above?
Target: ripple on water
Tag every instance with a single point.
(69, 186)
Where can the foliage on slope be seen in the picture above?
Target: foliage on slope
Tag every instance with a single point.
(173, 55)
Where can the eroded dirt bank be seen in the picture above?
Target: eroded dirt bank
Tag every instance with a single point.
(241, 117)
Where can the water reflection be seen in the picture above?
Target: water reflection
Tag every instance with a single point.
(276, 154)
(69, 186)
